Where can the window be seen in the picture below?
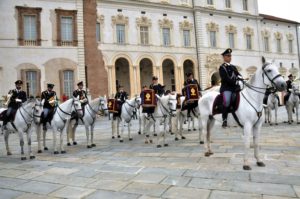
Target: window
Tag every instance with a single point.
(266, 44)
(210, 2)
(166, 37)
(68, 83)
(245, 5)
(278, 45)
(248, 42)
(231, 40)
(98, 33)
(120, 33)
(31, 83)
(228, 3)
(29, 26)
(144, 33)
(213, 38)
(290, 46)
(186, 38)
(66, 27)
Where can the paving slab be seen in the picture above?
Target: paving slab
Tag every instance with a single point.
(216, 194)
(102, 194)
(72, 192)
(146, 188)
(187, 193)
(38, 187)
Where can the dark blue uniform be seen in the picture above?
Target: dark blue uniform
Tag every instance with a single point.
(158, 88)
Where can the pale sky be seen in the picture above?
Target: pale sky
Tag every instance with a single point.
(288, 9)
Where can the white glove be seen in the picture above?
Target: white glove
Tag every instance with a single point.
(51, 102)
(18, 100)
(83, 101)
(9, 95)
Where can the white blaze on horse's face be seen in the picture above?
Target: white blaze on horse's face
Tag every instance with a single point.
(172, 104)
(103, 105)
(272, 77)
(77, 106)
(138, 101)
(38, 110)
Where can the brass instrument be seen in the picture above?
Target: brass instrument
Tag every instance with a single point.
(53, 98)
(8, 99)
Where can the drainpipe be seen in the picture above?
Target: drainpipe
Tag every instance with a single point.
(298, 47)
(196, 40)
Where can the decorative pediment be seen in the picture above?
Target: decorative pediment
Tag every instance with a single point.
(265, 33)
(290, 36)
(119, 19)
(213, 61)
(212, 26)
(165, 23)
(100, 19)
(251, 69)
(186, 25)
(248, 31)
(278, 35)
(143, 21)
(231, 29)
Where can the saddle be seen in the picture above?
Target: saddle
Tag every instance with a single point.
(189, 105)
(218, 104)
(11, 117)
(49, 117)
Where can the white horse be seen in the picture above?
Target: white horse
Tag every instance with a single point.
(127, 113)
(166, 107)
(89, 118)
(249, 111)
(182, 114)
(272, 104)
(29, 112)
(293, 103)
(58, 123)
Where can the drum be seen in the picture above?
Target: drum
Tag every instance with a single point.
(178, 105)
(112, 106)
(191, 93)
(148, 98)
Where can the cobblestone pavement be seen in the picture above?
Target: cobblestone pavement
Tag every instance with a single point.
(133, 169)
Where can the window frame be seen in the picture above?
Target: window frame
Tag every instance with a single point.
(147, 38)
(291, 47)
(215, 38)
(210, 2)
(189, 38)
(245, 5)
(228, 2)
(124, 35)
(169, 36)
(233, 40)
(278, 45)
(249, 45)
(64, 83)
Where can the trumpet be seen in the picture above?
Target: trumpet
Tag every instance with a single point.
(52, 101)
(8, 99)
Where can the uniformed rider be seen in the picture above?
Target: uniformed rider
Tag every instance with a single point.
(50, 103)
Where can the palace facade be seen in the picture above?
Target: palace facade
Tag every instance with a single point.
(108, 43)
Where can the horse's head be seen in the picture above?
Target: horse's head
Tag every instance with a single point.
(138, 101)
(103, 105)
(38, 110)
(272, 77)
(77, 106)
(295, 88)
(171, 102)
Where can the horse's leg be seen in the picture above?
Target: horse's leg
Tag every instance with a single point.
(189, 123)
(204, 129)
(181, 126)
(44, 140)
(200, 130)
(178, 119)
(210, 124)
(247, 134)
(122, 129)
(62, 150)
(140, 124)
(54, 140)
(92, 135)
(256, 139)
(73, 134)
(23, 157)
(270, 115)
(129, 135)
(38, 136)
(69, 132)
(158, 137)
(29, 144)
(6, 136)
(296, 107)
(113, 128)
(265, 110)
(276, 109)
(87, 132)
(165, 133)
(118, 127)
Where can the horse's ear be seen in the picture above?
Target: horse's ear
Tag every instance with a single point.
(263, 59)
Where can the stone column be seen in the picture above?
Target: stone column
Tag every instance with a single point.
(97, 79)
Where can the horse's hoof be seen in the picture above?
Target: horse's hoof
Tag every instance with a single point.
(121, 140)
(113, 137)
(130, 139)
(88, 146)
(201, 142)
(40, 151)
(63, 152)
(69, 144)
(154, 134)
(158, 146)
(139, 132)
(189, 129)
(246, 167)
(151, 141)
(93, 145)
(46, 148)
(74, 143)
(172, 133)
(55, 152)
(9, 153)
(183, 137)
(276, 123)
(32, 157)
(210, 153)
(194, 129)
(23, 158)
(265, 121)
(271, 124)
(166, 145)
(176, 139)
(260, 164)
(207, 154)
(298, 122)
(146, 142)
(119, 136)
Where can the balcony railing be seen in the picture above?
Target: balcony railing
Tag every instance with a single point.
(30, 43)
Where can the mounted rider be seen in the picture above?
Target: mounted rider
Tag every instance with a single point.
(121, 95)
(229, 84)
(288, 88)
(15, 99)
(82, 98)
(50, 104)
(158, 88)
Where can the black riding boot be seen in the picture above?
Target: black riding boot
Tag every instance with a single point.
(4, 124)
(224, 117)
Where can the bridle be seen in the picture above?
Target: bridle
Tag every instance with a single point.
(131, 112)
(31, 116)
(66, 113)
(90, 108)
(169, 111)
